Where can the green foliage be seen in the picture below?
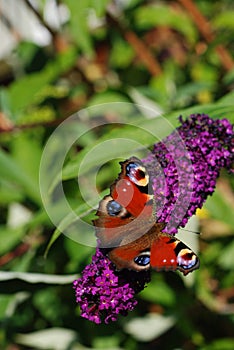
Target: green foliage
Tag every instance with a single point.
(93, 65)
(29, 90)
(162, 15)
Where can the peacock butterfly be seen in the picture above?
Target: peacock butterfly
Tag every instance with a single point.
(127, 229)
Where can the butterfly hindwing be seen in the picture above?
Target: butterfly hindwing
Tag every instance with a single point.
(157, 250)
(169, 253)
(135, 255)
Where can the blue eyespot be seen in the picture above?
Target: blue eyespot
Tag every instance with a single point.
(134, 170)
(137, 174)
(142, 260)
(113, 208)
(188, 260)
(131, 166)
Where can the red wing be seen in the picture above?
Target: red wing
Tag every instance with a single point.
(123, 257)
(156, 250)
(136, 255)
(127, 213)
(120, 228)
(132, 198)
(133, 189)
(169, 253)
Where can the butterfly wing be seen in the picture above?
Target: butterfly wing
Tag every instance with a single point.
(127, 213)
(136, 255)
(169, 253)
(157, 250)
(133, 190)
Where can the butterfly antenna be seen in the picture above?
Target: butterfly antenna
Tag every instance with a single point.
(196, 232)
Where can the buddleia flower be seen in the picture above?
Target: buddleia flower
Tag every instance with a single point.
(183, 168)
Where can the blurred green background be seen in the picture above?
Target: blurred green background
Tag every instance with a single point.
(58, 57)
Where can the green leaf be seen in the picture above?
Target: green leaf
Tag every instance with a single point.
(52, 338)
(79, 11)
(5, 105)
(11, 171)
(9, 193)
(159, 292)
(68, 220)
(100, 6)
(150, 327)
(73, 247)
(106, 342)
(219, 208)
(9, 304)
(122, 54)
(228, 98)
(226, 259)
(46, 301)
(37, 277)
(10, 237)
(159, 15)
(190, 90)
(214, 110)
(5, 300)
(220, 344)
(24, 92)
(224, 20)
(24, 147)
(107, 97)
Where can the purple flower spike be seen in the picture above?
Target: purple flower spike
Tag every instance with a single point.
(101, 293)
(184, 167)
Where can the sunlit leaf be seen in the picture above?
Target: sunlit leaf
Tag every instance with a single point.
(149, 327)
(52, 338)
(37, 277)
(224, 20)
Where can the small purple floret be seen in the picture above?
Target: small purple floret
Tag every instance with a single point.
(101, 294)
(184, 167)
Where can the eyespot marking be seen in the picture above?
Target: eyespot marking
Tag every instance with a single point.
(113, 208)
(143, 259)
(137, 174)
(187, 259)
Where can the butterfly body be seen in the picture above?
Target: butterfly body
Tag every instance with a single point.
(128, 231)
